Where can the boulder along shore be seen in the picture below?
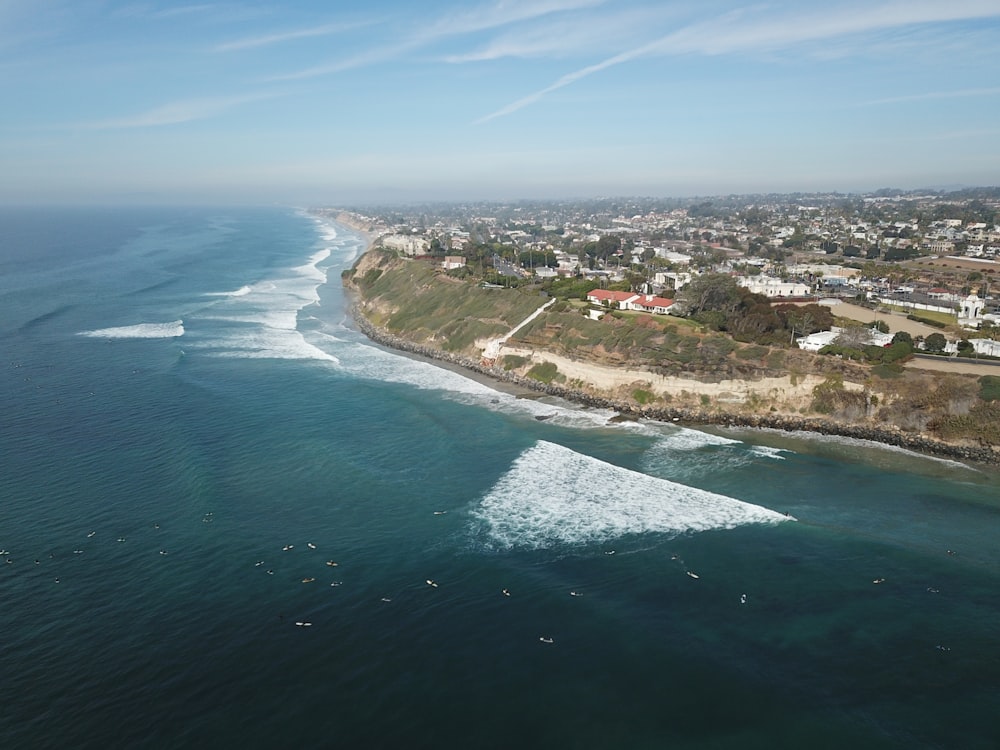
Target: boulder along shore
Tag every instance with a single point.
(980, 454)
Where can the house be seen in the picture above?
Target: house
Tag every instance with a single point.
(816, 341)
(405, 243)
(610, 298)
(672, 279)
(649, 303)
(453, 261)
(772, 287)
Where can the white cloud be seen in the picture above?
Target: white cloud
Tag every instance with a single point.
(286, 36)
(566, 35)
(755, 30)
(503, 14)
(957, 94)
(178, 112)
(482, 19)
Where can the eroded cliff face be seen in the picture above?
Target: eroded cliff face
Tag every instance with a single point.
(361, 280)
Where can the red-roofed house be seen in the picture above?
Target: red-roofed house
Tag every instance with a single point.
(649, 303)
(610, 298)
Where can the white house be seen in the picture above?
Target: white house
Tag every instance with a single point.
(816, 341)
(609, 298)
(772, 287)
(672, 256)
(986, 347)
(673, 279)
(649, 303)
(406, 243)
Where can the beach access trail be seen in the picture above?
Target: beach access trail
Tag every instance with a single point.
(492, 349)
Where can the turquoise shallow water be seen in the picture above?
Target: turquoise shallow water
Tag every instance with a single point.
(188, 382)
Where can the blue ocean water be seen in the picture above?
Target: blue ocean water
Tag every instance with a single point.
(229, 520)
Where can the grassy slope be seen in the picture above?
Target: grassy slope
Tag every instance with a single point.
(414, 299)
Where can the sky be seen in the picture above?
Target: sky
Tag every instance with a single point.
(308, 102)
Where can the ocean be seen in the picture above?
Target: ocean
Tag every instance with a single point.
(227, 519)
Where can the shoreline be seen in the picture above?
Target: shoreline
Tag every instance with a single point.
(684, 416)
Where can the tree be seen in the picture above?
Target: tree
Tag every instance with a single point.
(805, 319)
(710, 291)
(853, 337)
(902, 336)
(935, 343)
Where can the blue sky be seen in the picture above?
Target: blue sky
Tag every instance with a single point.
(338, 102)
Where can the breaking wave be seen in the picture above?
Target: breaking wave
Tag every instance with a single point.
(554, 496)
(169, 330)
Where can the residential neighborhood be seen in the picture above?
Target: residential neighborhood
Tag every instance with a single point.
(930, 255)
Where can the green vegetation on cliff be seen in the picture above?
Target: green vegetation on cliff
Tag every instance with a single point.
(416, 300)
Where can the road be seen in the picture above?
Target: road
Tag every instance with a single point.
(951, 364)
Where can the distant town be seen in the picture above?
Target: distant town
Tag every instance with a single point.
(934, 254)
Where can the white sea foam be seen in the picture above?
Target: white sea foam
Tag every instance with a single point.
(169, 330)
(311, 269)
(554, 496)
(261, 342)
(684, 439)
(768, 451)
(686, 453)
(371, 363)
(866, 447)
(263, 319)
(241, 292)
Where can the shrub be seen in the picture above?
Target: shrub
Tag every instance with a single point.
(926, 321)
(371, 276)
(989, 388)
(642, 396)
(825, 395)
(513, 361)
(888, 371)
(752, 352)
(776, 360)
(982, 423)
(544, 372)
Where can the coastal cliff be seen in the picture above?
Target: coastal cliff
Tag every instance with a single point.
(411, 306)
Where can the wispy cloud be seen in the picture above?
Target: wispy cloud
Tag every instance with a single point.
(493, 16)
(755, 31)
(174, 113)
(566, 35)
(501, 14)
(567, 79)
(739, 32)
(148, 11)
(287, 36)
(930, 95)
